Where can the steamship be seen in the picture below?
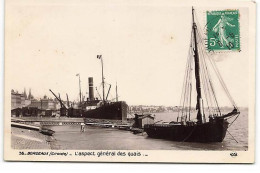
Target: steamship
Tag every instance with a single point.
(100, 108)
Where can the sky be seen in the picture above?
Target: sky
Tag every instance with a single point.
(144, 48)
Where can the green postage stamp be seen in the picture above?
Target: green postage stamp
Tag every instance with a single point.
(223, 30)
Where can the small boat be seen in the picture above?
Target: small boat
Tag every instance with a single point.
(46, 131)
(137, 130)
(212, 128)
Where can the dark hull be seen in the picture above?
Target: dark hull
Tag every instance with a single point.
(112, 111)
(47, 132)
(213, 131)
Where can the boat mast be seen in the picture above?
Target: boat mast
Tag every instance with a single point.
(197, 70)
(103, 82)
(68, 102)
(79, 89)
(116, 93)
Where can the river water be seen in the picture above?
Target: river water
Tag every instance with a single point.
(97, 138)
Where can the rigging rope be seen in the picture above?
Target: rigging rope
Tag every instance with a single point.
(183, 94)
(207, 85)
(216, 69)
(210, 84)
(209, 77)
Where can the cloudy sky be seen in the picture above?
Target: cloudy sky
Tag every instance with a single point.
(144, 47)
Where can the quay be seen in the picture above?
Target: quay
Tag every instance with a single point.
(39, 121)
(37, 132)
(48, 121)
(29, 139)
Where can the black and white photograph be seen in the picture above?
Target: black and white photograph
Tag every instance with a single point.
(130, 81)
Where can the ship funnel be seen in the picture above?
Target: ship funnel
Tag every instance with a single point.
(91, 88)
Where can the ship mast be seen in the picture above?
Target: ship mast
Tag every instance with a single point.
(79, 89)
(203, 82)
(116, 93)
(68, 102)
(103, 81)
(197, 71)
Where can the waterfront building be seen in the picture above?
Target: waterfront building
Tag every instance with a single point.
(15, 100)
(19, 100)
(43, 104)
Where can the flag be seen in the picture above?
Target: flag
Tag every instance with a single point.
(99, 56)
(77, 74)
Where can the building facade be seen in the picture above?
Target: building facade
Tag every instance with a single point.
(44, 104)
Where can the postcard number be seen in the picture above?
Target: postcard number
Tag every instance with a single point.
(233, 154)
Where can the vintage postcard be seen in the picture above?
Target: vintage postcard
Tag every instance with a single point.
(130, 81)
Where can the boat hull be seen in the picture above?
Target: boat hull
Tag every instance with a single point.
(213, 131)
(112, 111)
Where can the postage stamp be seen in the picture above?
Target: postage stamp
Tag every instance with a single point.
(223, 30)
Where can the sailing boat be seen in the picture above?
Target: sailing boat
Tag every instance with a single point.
(203, 129)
